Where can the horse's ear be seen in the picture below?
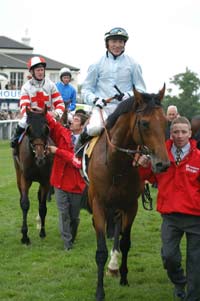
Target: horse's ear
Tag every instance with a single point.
(138, 96)
(162, 93)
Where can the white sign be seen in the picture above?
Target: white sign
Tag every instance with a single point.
(10, 94)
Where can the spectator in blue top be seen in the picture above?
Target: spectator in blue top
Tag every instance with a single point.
(66, 90)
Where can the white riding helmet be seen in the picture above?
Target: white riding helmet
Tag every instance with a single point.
(34, 61)
(65, 71)
(116, 33)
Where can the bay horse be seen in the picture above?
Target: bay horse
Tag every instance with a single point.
(32, 164)
(113, 181)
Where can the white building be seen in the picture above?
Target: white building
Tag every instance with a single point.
(13, 70)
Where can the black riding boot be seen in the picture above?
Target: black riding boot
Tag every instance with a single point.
(15, 138)
(82, 139)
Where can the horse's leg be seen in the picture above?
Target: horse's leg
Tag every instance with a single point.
(42, 197)
(125, 243)
(25, 204)
(102, 251)
(113, 266)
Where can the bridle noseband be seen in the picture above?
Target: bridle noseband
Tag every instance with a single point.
(34, 145)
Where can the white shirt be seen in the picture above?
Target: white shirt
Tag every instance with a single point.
(184, 150)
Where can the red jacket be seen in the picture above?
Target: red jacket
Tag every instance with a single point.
(179, 186)
(64, 175)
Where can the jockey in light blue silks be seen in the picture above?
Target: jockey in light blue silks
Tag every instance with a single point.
(114, 68)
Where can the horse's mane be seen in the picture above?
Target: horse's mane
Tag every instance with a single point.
(128, 105)
(151, 100)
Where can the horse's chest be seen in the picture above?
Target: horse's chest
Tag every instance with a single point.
(123, 188)
(36, 174)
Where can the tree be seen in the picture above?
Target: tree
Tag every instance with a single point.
(188, 98)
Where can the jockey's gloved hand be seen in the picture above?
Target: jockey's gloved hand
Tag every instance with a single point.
(99, 102)
(122, 96)
(119, 97)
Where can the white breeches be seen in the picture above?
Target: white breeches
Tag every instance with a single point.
(22, 122)
(96, 124)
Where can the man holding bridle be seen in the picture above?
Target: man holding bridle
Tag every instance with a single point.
(178, 201)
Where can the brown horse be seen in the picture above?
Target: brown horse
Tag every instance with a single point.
(32, 164)
(115, 183)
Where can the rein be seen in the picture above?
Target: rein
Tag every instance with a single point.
(34, 145)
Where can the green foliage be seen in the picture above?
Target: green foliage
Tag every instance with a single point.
(187, 100)
(44, 271)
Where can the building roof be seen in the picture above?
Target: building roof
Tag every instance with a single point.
(12, 44)
(19, 61)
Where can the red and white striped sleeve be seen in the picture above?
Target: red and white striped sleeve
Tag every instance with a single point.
(57, 101)
(25, 101)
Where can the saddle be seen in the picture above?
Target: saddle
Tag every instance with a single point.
(87, 152)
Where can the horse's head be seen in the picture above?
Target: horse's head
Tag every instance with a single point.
(149, 127)
(38, 132)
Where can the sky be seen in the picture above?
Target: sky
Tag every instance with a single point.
(163, 35)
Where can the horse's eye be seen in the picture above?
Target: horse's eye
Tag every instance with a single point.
(145, 124)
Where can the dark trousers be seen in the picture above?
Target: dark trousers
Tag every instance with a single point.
(174, 226)
(69, 208)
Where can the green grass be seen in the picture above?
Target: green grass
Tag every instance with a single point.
(43, 271)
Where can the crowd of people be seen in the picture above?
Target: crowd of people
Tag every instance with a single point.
(9, 115)
(178, 200)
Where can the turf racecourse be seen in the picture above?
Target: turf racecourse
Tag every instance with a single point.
(43, 271)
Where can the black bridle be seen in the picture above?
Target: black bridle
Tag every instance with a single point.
(34, 145)
(141, 149)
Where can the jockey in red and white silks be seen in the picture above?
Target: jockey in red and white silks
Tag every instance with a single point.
(36, 93)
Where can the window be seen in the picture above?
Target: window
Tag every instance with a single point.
(54, 77)
(16, 80)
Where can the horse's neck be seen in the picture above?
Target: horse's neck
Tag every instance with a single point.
(121, 140)
(121, 132)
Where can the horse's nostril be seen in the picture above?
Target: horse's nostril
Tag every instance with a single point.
(160, 166)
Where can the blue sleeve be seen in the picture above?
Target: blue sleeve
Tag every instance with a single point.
(89, 85)
(72, 105)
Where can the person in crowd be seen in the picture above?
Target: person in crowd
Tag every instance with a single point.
(113, 69)
(172, 113)
(38, 91)
(65, 177)
(178, 201)
(77, 124)
(67, 91)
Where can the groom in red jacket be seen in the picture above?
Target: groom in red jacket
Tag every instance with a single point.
(66, 178)
(178, 201)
